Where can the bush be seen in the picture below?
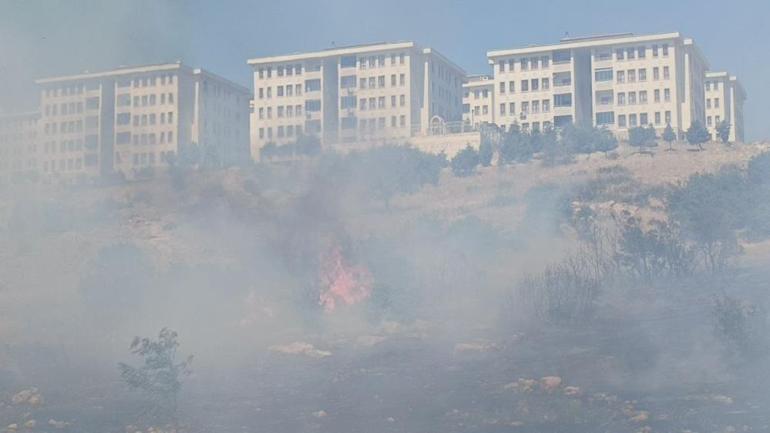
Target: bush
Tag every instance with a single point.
(640, 137)
(655, 252)
(697, 134)
(160, 375)
(465, 162)
(486, 152)
(759, 169)
(564, 293)
(741, 326)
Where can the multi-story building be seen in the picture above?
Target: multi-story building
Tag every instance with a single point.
(358, 94)
(724, 102)
(134, 118)
(18, 146)
(478, 100)
(615, 81)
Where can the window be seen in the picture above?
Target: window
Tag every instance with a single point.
(641, 52)
(393, 100)
(666, 73)
(668, 117)
(708, 103)
(632, 120)
(501, 66)
(604, 97)
(279, 91)
(123, 100)
(622, 120)
(545, 83)
(631, 75)
(657, 95)
(717, 120)
(348, 62)
(605, 118)
(604, 74)
(562, 100)
(562, 56)
(123, 138)
(502, 87)
(603, 54)
(381, 81)
(631, 53)
(525, 107)
(502, 109)
(279, 111)
(511, 86)
(290, 89)
(642, 74)
(393, 80)
(716, 102)
(346, 82)
(546, 105)
(349, 123)
(667, 95)
(512, 108)
(621, 77)
(656, 73)
(643, 120)
(362, 104)
(535, 84)
(402, 80)
(665, 50)
(631, 98)
(708, 121)
(524, 85)
(619, 54)
(655, 50)
(621, 98)
(535, 106)
(123, 118)
(485, 109)
(313, 85)
(381, 102)
(643, 97)
(402, 100)
(524, 64)
(92, 103)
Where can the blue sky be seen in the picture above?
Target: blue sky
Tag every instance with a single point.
(44, 37)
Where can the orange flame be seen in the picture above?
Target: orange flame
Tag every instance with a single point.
(342, 282)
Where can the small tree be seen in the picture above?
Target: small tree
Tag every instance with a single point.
(606, 141)
(669, 136)
(641, 138)
(465, 162)
(697, 135)
(723, 131)
(486, 151)
(160, 377)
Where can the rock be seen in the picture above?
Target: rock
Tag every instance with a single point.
(300, 348)
(29, 396)
(550, 383)
(522, 385)
(641, 416)
(475, 347)
(12, 427)
(29, 425)
(390, 419)
(58, 424)
(320, 414)
(571, 391)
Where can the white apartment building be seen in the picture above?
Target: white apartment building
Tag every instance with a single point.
(18, 146)
(479, 100)
(615, 81)
(132, 119)
(360, 94)
(724, 101)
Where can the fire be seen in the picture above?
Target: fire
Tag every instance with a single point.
(342, 282)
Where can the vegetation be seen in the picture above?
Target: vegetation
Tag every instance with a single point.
(697, 134)
(723, 131)
(669, 136)
(304, 145)
(465, 162)
(159, 377)
(642, 137)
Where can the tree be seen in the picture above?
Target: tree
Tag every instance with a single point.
(723, 131)
(486, 152)
(641, 137)
(697, 134)
(669, 136)
(160, 375)
(465, 162)
(606, 141)
(516, 147)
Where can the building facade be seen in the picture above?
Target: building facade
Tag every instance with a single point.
(724, 102)
(131, 120)
(615, 81)
(18, 146)
(478, 100)
(361, 94)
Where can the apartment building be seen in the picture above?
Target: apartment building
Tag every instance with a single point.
(18, 146)
(132, 119)
(724, 102)
(614, 81)
(478, 100)
(359, 94)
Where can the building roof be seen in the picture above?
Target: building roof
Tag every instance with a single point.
(585, 42)
(131, 70)
(478, 80)
(442, 57)
(123, 70)
(717, 74)
(332, 52)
